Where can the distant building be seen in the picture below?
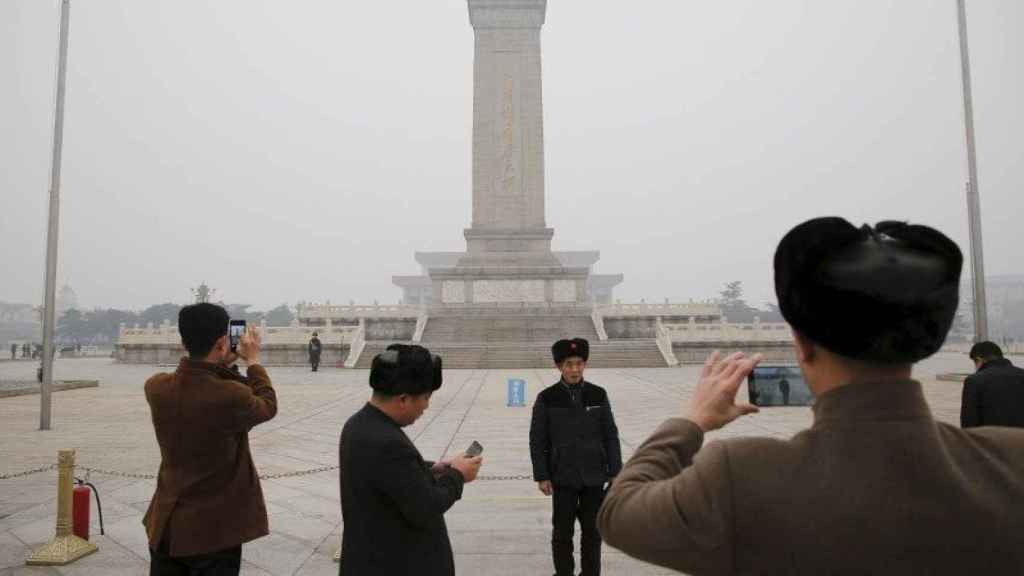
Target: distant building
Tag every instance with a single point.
(1005, 300)
(66, 300)
(17, 313)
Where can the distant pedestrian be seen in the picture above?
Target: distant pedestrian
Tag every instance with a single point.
(315, 348)
(994, 395)
(784, 388)
(24, 350)
(14, 351)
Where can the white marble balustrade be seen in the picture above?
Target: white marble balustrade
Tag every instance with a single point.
(729, 332)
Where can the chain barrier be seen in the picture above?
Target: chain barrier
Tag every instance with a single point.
(299, 473)
(490, 478)
(277, 476)
(28, 472)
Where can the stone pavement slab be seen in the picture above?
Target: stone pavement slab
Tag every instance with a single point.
(501, 526)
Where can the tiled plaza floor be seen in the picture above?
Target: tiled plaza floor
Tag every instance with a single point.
(501, 527)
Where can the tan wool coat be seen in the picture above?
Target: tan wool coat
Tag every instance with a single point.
(875, 486)
(208, 493)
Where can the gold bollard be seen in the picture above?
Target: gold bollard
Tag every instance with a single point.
(337, 555)
(65, 547)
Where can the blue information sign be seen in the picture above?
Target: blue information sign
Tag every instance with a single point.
(516, 392)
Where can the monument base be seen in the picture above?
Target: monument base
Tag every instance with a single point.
(495, 283)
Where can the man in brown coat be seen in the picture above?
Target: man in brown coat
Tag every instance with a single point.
(876, 485)
(208, 499)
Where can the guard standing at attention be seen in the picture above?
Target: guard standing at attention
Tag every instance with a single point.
(315, 348)
(574, 445)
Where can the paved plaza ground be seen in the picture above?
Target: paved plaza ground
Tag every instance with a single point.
(500, 527)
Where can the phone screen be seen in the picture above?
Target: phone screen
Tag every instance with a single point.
(235, 330)
(778, 386)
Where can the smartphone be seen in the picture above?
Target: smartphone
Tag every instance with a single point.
(474, 450)
(778, 386)
(235, 330)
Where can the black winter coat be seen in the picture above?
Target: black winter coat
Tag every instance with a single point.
(994, 396)
(393, 507)
(574, 445)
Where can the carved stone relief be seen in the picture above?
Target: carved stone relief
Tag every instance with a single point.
(453, 292)
(486, 291)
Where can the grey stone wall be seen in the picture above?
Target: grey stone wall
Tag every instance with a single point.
(631, 327)
(272, 355)
(390, 329)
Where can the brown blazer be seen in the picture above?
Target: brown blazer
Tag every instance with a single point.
(875, 486)
(208, 493)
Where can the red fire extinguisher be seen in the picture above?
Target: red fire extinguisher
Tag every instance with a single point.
(80, 509)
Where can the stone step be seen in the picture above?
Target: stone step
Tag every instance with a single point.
(639, 353)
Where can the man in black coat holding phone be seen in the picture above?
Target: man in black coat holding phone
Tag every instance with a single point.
(574, 445)
(392, 501)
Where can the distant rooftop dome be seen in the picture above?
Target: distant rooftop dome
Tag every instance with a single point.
(66, 299)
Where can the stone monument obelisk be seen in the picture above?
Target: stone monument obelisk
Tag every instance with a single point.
(508, 255)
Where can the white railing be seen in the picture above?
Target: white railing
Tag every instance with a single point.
(598, 319)
(355, 348)
(729, 332)
(666, 309)
(421, 326)
(354, 312)
(665, 344)
(167, 334)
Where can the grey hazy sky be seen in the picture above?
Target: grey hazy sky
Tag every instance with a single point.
(286, 151)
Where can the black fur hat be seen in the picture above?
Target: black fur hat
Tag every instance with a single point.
(885, 295)
(567, 348)
(405, 369)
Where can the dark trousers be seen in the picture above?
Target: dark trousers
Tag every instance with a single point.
(314, 362)
(221, 563)
(569, 505)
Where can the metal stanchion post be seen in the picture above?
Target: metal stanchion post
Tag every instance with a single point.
(65, 547)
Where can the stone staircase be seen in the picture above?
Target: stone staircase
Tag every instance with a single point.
(369, 351)
(456, 355)
(520, 340)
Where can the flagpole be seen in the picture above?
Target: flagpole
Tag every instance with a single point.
(52, 232)
(973, 193)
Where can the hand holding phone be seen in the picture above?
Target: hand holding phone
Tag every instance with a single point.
(235, 330)
(467, 465)
(474, 450)
(249, 346)
(713, 403)
(778, 386)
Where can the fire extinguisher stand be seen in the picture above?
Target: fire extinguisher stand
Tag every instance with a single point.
(65, 547)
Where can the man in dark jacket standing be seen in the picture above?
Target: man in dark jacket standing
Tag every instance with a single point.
(208, 498)
(315, 348)
(994, 395)
(392, 501)
(574, 445)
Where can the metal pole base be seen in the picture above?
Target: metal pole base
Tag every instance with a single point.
(65, 547)
(60, 551)
(337, 555)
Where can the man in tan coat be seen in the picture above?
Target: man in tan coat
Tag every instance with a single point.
(208, 499)
(876, 485)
